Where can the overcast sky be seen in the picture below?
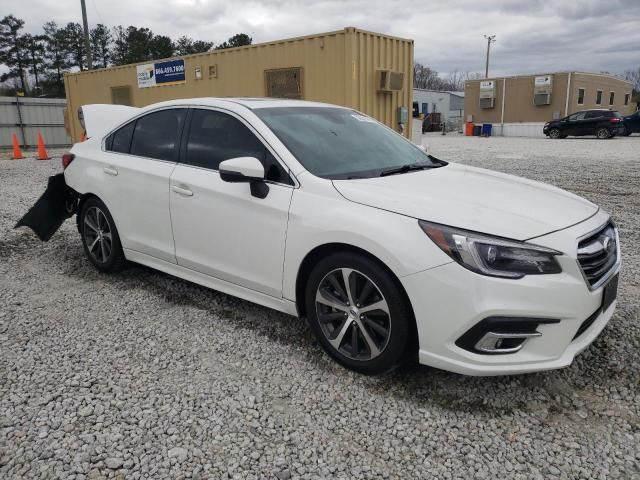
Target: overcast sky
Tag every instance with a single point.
(532, 35)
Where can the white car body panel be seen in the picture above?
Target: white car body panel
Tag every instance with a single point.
(99, 119)
(187, 222)
(223, 231)
(142, 215)
(473, 199)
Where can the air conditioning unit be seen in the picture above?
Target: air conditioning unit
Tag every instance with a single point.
(389, 81)
(487, 94)
(487, 102)
(542, 90)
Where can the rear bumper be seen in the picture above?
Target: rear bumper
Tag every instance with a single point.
(449, 300)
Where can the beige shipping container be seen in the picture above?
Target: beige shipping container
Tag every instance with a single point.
(341, 67)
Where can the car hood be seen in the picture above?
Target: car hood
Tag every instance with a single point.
(474, 199)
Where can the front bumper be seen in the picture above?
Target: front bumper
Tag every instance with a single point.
(449, 300)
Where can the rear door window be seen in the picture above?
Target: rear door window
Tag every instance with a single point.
(157, 134)
(595, 114)
(216, 136)
(120, 140)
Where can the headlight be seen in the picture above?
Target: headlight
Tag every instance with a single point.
(492, 256)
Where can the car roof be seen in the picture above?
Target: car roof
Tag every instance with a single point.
(252, 103)
(597, 110)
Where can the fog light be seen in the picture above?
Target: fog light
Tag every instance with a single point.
(501, 335)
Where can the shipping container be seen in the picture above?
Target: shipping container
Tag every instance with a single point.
(367, 71)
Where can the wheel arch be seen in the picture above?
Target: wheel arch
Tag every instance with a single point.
(324, 250)
(82, 199)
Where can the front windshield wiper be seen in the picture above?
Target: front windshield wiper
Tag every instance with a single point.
(409, 167)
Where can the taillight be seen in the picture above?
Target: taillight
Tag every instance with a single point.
(67, 158)
(614, 120)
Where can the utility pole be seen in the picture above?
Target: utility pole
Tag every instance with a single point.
(490, 39)
(87, 42)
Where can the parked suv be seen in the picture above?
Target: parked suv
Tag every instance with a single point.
(601, 123)
(631, 124)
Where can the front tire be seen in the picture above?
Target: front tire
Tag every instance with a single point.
(603, 133)
(99, 237)
(626, 132)
(359, 314)
(555, 134)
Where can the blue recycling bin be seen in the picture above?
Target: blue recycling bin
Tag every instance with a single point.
(486, 129)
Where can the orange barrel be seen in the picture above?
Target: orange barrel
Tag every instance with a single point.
(468, 129)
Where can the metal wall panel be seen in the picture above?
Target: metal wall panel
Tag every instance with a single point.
(26, 117)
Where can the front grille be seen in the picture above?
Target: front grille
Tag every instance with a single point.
(598, 254)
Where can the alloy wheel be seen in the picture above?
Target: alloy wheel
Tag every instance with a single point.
(353, 314)
(97, 235)
(554, 133)
(603, 133)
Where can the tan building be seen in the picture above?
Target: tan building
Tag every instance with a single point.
(520, 105)
(367, 71)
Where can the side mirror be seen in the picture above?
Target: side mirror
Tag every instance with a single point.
(245, 170)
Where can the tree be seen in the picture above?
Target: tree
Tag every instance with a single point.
(13, 52)
(161, 46)
(201, 46)
(238, 40)
(428, 79)
(138, 44)
(55, 58)
(35, 47)
(120, 49)
(74, 45)
(633, 76)
(101, 40)
(186, 46)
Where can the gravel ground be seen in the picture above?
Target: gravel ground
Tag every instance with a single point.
(140, 375)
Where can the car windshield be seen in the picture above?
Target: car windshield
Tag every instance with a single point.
(337, 143)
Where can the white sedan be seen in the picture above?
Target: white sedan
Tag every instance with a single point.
(322, 212)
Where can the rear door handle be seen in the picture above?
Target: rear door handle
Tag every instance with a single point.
(110, 171)
(182, 190)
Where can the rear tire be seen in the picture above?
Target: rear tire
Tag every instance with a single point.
(100, 237)
(359, 314)
(555, 134)
(603, 133)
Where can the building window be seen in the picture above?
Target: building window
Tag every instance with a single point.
(121, 95)
(599, 97)
(626, 99)
(581, 96)
(612, 97)
(284, 83)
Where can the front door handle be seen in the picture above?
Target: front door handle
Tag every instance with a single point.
(110, 170)
(182, 190)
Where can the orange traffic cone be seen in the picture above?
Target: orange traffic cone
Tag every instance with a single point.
(42, 152)
(17, 152)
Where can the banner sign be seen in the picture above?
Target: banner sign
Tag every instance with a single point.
(170, 72)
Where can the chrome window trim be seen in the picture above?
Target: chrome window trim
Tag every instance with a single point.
(615, 268)
(284, 166)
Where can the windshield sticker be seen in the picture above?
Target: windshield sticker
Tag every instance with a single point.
(362, 118)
